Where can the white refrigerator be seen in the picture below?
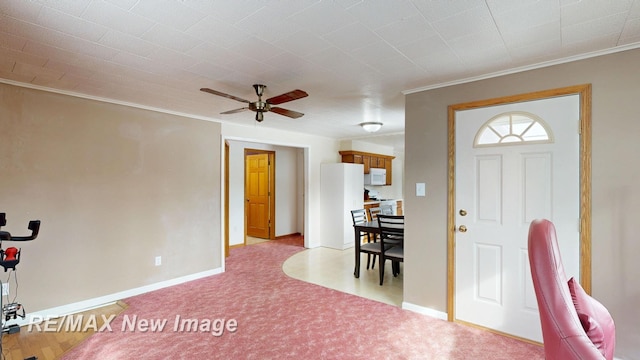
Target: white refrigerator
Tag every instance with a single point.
(341, 190)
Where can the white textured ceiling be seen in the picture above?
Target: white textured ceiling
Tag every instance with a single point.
(353, 57)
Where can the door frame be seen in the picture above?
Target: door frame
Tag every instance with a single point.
(272, 190)
(584, 92)
(230, 142)
(226, 199)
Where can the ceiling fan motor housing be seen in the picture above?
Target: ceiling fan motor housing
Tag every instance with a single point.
(260, 106)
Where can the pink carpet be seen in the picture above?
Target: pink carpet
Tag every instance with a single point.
(282, 318)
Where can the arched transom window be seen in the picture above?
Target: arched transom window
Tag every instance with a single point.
(513, 128)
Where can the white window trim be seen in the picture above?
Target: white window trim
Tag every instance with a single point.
(535, 120)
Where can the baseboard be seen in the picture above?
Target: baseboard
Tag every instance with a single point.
(286, 236)
(111, 298)
(437, 314)
(425, 311)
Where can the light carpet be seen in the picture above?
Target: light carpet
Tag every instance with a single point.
(283, 318)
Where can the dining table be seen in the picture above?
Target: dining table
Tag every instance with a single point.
(369, 228)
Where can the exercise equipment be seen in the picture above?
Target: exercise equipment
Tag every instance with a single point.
(9, 259)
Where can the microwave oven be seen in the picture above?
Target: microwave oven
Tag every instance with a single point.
(376, 177)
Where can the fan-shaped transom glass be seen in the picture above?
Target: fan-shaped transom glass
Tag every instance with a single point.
(513, 128)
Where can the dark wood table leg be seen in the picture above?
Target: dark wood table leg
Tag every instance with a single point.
(356, 271)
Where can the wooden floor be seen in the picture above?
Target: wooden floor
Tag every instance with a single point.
(49, 345)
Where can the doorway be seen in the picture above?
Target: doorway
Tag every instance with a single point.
(290, 190)
(512, 160)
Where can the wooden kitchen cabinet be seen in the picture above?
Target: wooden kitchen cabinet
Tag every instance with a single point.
(377, 162)
(366, 160)
(369, 160)
(358, 158)
(352, 158)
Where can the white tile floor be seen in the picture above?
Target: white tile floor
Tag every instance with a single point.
(334, 269)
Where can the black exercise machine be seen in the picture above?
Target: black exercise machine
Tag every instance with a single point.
(9, 258)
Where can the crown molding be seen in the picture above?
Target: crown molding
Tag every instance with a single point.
(525, 68)
(107, 100)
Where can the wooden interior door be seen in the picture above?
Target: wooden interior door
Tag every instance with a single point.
(258, 194)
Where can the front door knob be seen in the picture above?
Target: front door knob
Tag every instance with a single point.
(462, 228)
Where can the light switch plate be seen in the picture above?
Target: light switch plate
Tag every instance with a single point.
(420, 189)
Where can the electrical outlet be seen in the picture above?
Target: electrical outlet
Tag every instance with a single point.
(5, 288)
(158, 260)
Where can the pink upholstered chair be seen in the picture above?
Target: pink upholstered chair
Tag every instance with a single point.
(574, 325)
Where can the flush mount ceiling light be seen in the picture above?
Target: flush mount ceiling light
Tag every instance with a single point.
(371, 126)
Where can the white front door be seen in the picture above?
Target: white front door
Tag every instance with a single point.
(511, 178)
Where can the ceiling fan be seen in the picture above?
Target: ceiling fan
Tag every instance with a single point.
(260, 107)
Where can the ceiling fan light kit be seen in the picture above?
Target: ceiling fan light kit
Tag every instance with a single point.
(371, 126)
(260, 107)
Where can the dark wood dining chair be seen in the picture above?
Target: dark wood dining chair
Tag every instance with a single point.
(371, 247)
(391, 242)
(374, 211)
(373, 216)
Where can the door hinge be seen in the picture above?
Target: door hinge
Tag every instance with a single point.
(579, 127)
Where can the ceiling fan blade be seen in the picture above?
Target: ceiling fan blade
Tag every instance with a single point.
(235, 111)
(285, 112)
(215, 92)
(290, 96)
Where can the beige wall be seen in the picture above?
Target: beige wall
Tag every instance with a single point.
(615, 176)
(114, 187)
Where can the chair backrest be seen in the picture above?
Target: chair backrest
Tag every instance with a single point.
(359, 216)
(382, 209)
(391, 229)
(563, 333)
(373, 212)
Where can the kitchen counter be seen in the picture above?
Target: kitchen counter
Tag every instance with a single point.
(378, 201)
